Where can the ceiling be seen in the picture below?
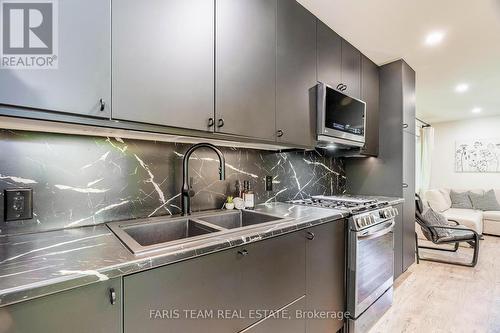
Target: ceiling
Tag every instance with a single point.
(387, 30)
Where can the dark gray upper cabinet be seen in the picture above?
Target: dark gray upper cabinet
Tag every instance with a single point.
(81, 310)
(329, 55)
(83, 76)
(163, 62)
(409, 92)
(351, 70)
(339, 63)
(296, 74)
(370, 95)
(245, 53)
(325, 274)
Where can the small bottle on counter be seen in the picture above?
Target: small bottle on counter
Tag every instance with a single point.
(239, 189)
(243, 192)
(249, 197)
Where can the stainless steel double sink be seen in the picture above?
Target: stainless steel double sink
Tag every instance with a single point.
(152, 234)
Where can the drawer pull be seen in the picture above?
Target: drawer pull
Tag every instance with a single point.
(112, 296)
(243, 253)
(102, 105)
(211, 122)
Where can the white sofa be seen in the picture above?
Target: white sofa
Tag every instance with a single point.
(487, 222)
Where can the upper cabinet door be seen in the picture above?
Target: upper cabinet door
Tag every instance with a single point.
(81, 43)
(351, 70)
(296, 74)
(163, 62)
(409, 107)
(370, 95)
(246, 67)
(329, 55)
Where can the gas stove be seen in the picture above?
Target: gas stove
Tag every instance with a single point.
(348, 203)
(370, 259)
(364, 212)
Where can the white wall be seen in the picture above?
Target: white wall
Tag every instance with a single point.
(443, 158)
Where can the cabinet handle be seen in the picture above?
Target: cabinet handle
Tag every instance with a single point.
(405, 125)
(112, 296)
(211, 122)
(310, 235)
(279, 133)
(102, 105)
(341, 87)
(405, 185)
(243, 253)
(221, 122)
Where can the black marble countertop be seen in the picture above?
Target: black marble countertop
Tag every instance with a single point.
(34, 265)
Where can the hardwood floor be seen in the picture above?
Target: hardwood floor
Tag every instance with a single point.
(432, 297)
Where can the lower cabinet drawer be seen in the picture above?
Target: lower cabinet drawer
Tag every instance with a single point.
(287, 320)
(217, 292)
(93, 308)
(183, 297)
(273, 274)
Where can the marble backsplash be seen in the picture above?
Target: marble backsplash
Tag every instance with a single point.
(82, 180)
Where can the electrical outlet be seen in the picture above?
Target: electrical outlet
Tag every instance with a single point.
(269, 183)
(18, 204)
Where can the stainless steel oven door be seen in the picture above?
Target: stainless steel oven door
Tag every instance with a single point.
(370, 265)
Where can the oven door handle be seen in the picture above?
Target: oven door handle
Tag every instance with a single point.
(378, 233)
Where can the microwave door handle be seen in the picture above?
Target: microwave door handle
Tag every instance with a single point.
(375, 234)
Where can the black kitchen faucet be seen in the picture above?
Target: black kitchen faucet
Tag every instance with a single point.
(186, 192)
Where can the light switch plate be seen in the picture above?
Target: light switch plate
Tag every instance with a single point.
(18, 204)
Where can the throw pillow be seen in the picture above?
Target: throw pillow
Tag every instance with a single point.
(436, 199)
(460, 200)
(433, 218)
(485, 202)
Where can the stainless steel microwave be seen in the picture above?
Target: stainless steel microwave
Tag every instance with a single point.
(341, 118)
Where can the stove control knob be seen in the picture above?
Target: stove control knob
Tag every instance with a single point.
(371, 220)
(368, 220)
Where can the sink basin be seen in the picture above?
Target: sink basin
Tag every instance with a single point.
(152, 234)
(139, 237)
(239, 219)
(149, 234)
